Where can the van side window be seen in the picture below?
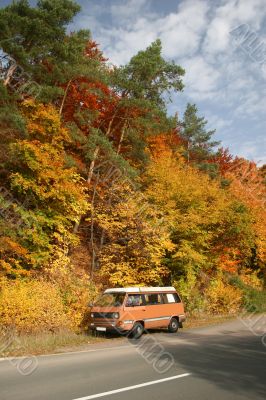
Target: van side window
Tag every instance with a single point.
(134, 300)
(153, 298)
(169, 298)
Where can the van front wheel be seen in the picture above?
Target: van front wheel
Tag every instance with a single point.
(137, 330)
(173, 325)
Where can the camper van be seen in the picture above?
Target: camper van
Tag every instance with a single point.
(134, 309)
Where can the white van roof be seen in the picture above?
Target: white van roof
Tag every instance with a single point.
(141, 289)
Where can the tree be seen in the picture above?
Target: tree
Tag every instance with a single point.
(263, 172)
(144, 86)
(132, 248)
(48, 196)
(204, 221)
(197, 139)
(40, 55)
(247, 185)
(148, 76)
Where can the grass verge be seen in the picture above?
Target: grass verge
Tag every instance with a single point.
(205, 320)
(12, 345)
(47, 343)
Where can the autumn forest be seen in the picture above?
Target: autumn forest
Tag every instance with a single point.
(101, 187)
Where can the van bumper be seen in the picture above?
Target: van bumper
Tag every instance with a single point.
(111, 328)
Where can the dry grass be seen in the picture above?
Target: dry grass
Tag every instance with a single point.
(12, 345)
(205, 320)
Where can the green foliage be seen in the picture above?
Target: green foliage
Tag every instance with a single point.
(197, 139)
(148, 76)
(94, 160)
(50, 197)
(254, 298)
(36, 38)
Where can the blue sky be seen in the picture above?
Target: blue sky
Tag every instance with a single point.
(225, 78)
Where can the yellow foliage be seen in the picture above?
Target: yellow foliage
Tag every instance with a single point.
(135, 248)
(204, 219)
(44, 122)
(32, 306)
(76, 289)
(250, 278)
(248, 185)
(223, 298)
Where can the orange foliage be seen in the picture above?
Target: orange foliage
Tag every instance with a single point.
(247, 184)
(230, 261)
(164, 143)
(92, 51)
(223, 159)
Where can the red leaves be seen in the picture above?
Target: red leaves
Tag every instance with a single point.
(91, 96)
(92, 51)
(223, 159)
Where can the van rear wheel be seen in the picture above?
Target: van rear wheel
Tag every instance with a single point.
(173, 325)
(137, 330)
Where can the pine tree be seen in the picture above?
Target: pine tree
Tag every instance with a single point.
(197, 139)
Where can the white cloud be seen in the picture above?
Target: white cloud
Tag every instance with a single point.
(182, 31)
(129, 10)
(253, 150)
(201, 78)
(227, 17)
(218, 123)
(225, 82)
(136, 26)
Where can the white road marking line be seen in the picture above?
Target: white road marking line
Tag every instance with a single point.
(125, 389)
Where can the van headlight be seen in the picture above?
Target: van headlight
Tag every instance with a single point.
(92, 315)
(115, 315)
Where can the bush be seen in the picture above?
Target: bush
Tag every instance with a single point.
(76, 290)
(32, 306)
(223, 298)
(254, 298)
(189, 290)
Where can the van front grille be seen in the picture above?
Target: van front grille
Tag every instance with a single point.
(103, 315)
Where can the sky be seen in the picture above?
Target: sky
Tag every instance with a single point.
(220, 43)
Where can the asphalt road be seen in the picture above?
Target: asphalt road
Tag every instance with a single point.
(226, 361)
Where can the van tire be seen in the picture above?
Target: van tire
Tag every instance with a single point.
(137, 330)
(173, 325)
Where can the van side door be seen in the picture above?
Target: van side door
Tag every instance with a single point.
(156, 311)
(135, 308)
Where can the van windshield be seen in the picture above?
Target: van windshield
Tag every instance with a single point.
(110, 300)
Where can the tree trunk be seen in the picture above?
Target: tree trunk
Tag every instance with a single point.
(64, 98)
(90, 174)
(93, 251)
(121, 138)
(92, 164)
(10, 73)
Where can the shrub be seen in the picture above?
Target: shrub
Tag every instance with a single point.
(254, 297)
(223, 298)
(32, 306)
(76, 290)
(255, 300)
(191, 296)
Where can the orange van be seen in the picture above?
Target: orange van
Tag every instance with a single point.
(134, 309)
